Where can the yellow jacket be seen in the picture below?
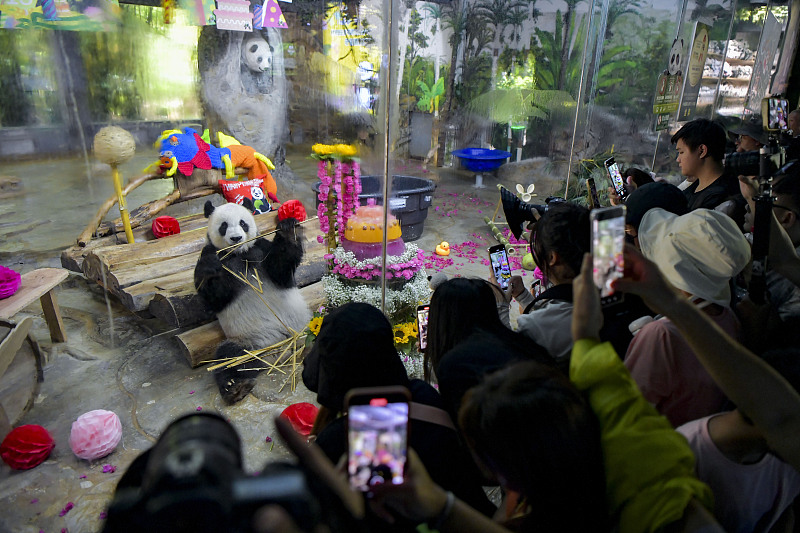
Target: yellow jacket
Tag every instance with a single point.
(649, 466)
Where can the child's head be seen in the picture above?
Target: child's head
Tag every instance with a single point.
(560, 239)
(535, 431)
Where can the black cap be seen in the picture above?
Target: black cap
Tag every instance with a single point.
(651, 195)
(354, 348)
(752, 127)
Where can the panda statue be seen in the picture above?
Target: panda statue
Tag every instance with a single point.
(250, 319)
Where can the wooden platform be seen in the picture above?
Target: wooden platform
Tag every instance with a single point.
(36, 285)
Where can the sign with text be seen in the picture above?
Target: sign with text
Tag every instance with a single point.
(698, 53)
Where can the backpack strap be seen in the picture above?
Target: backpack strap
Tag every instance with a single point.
(428, 413)
(562, 291)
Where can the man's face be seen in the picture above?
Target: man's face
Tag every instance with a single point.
(745, 143)
(689, 160)
(794, 123)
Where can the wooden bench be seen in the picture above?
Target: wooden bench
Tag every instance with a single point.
(35, 284)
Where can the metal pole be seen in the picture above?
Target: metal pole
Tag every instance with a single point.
(580, 97)
(389, 62)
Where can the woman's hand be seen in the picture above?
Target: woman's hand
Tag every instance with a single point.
(643, 278)
(418, 499)
(587, 315)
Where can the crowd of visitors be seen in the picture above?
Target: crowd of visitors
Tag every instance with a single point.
(689, 421)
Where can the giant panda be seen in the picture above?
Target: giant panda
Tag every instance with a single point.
(242, 313)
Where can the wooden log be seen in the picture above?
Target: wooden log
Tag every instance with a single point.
(199, 345)
(72, 258)
(179, 305)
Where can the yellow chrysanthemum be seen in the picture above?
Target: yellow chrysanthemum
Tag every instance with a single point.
(314, 325)
(404, 332)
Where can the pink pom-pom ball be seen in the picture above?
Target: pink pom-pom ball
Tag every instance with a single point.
(95, 434)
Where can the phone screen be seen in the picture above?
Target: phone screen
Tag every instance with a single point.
(608, 241)
(422, 325)
(778, 114)
(616, 177)
(500, 265)
(377, 442)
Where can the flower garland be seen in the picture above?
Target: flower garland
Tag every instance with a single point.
(340, 184)
(403, 266)
(404, 299)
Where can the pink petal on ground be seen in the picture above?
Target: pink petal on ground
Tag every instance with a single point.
(67, 508)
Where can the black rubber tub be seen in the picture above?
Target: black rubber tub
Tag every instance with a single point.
(410, 200)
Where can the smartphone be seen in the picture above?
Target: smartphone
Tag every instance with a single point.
(775, 114)
(500, 265)
(594, 199)
(616, 178)
(422, 325)
(608, 240)
(377, 436)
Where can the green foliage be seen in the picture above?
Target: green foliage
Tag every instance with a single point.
(430, 95)
(416, 38)
(549, 50)
(516, 98)
(591, 167)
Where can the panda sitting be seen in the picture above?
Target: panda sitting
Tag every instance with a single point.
(245, 315)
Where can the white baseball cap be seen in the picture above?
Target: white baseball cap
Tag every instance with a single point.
(698, 252)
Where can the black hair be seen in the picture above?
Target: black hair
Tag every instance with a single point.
(639, 177)
(532, 428)
(789, 185)
(564, 229)
(461, 307)
(703, 131)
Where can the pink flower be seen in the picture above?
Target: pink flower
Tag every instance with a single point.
(109, 469)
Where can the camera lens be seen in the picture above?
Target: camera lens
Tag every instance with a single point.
(743, 163)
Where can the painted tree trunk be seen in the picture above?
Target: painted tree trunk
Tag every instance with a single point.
(244, 89)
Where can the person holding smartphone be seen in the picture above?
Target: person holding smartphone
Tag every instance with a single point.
(354, 349)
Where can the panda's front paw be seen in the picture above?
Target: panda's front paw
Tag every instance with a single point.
(291, 228)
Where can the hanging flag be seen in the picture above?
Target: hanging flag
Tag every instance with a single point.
(234, 15)
(257, 16)
(273, 16)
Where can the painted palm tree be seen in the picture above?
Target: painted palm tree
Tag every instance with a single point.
(455, 16)
(434, 15)
(497, 14)
(618, 8)
(516, 20)
(569, 19)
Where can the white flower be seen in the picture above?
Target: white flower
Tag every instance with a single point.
(525, 195)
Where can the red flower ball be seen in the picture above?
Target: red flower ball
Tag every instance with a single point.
(292, 209)
(302, 416)
(165, 226)
(26, 447)
(10, 281)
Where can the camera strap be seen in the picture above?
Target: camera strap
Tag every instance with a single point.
(428, 413)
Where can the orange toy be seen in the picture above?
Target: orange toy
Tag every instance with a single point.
(245, 157)
(443, 248)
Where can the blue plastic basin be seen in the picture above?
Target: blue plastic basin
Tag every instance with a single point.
(481, 159)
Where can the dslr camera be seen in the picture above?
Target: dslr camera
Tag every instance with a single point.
(772, 155)
(192, 480)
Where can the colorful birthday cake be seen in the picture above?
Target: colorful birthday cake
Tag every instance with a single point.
(357, 265)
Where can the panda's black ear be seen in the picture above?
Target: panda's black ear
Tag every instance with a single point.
(247, 203)
(208, 208)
